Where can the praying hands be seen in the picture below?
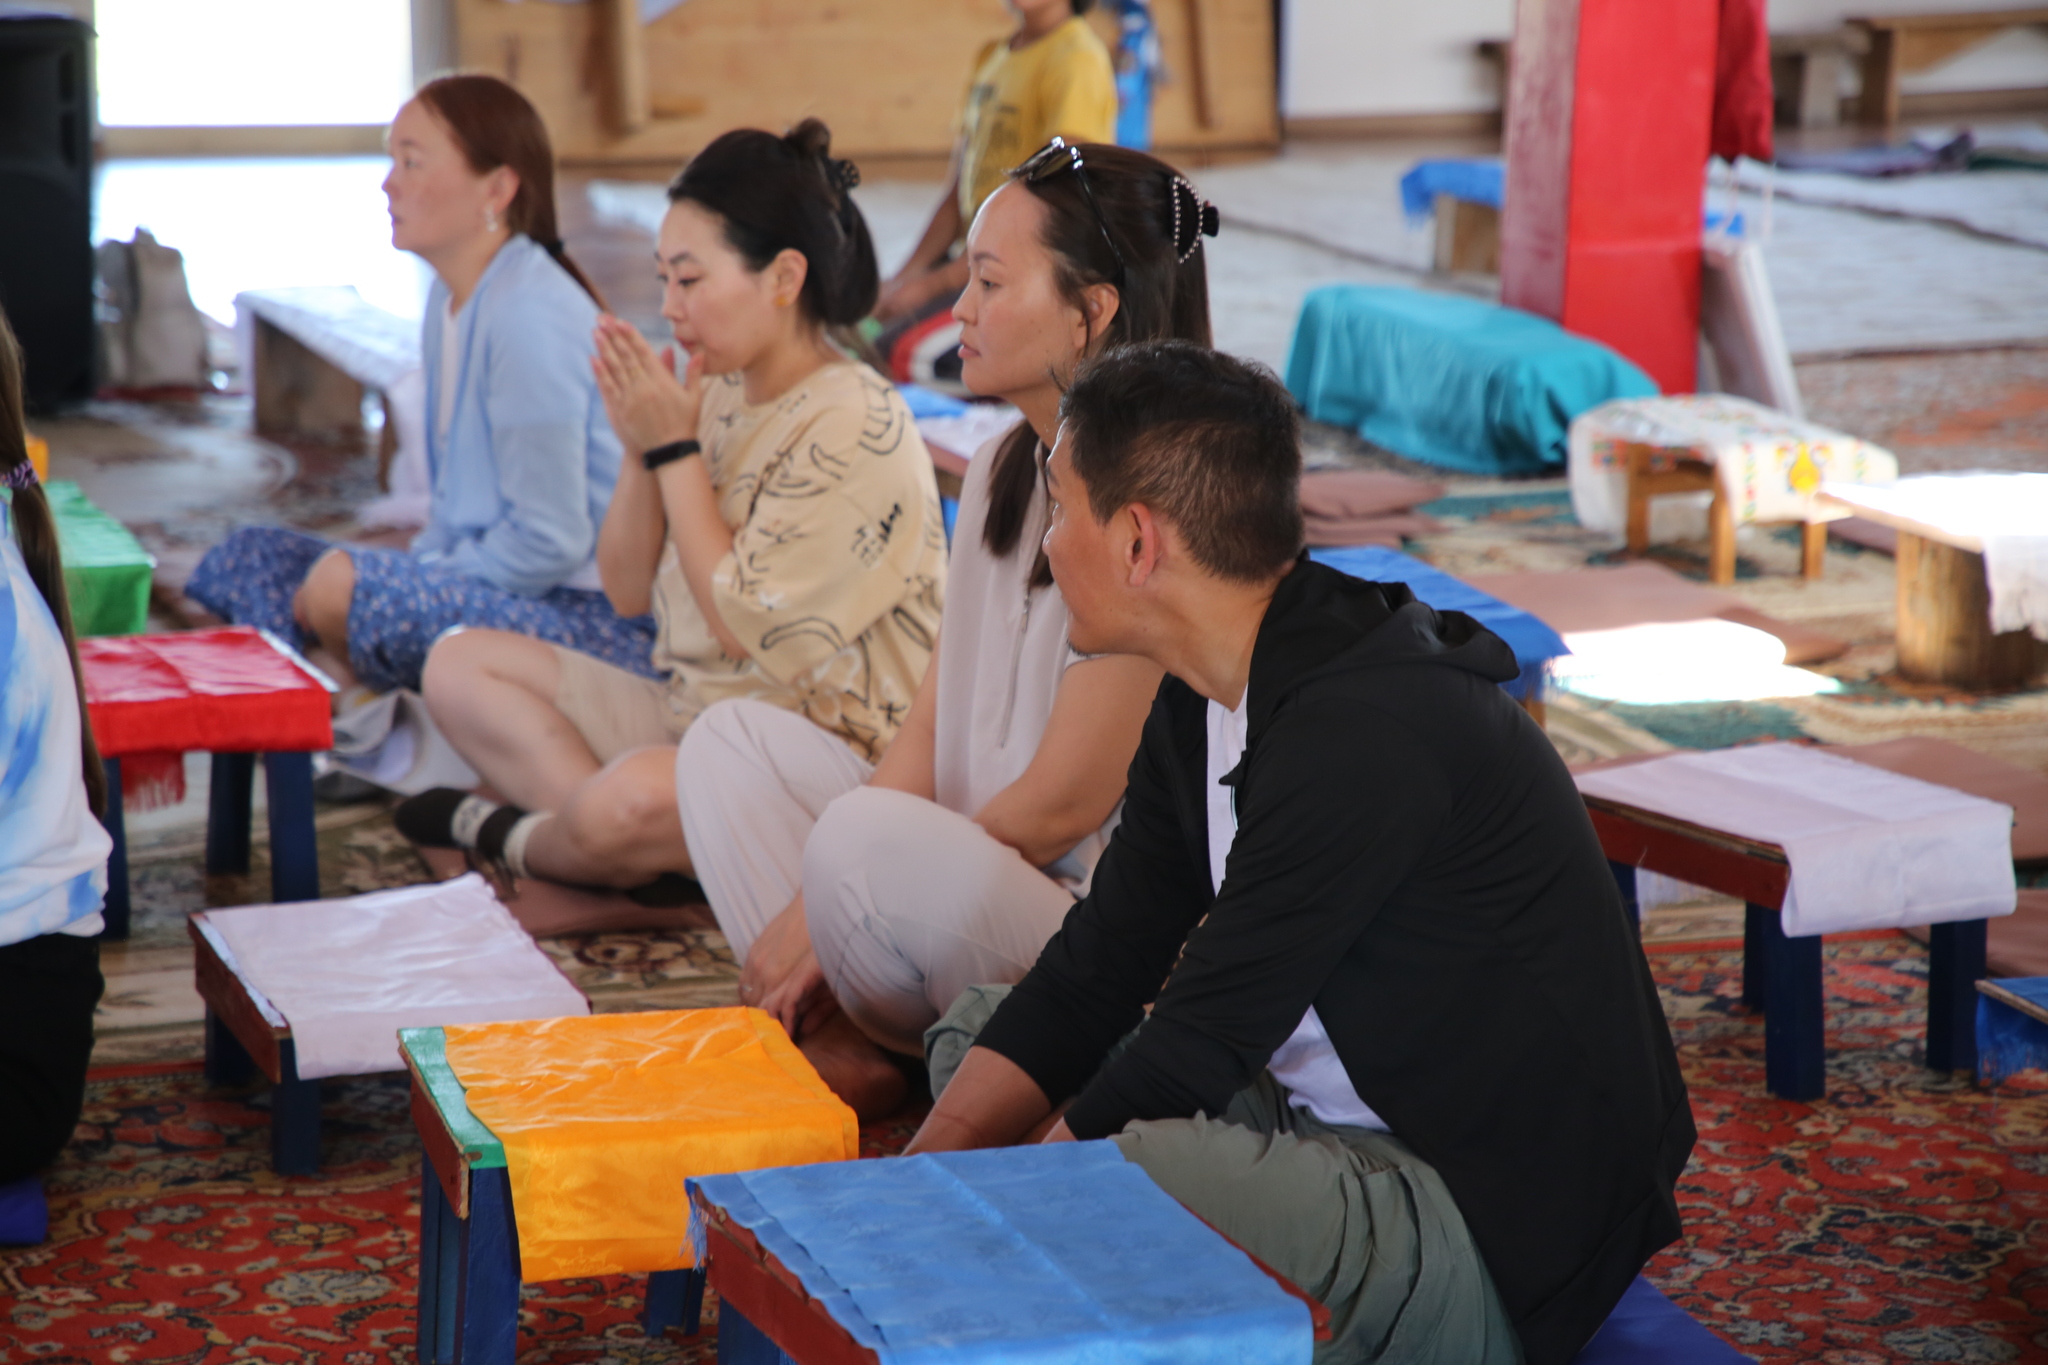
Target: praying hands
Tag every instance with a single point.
(648, 405)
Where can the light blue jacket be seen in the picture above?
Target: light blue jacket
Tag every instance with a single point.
(522, 481)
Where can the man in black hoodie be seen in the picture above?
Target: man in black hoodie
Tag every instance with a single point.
(1401, 1042)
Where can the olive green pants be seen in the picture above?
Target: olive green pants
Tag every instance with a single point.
(1350, 1215)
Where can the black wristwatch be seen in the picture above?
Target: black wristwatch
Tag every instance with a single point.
(669, 454)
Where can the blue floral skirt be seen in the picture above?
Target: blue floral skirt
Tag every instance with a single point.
(402, 606)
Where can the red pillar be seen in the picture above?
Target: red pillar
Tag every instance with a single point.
(1610, 110)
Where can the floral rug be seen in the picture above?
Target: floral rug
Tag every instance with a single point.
(1900, 1219)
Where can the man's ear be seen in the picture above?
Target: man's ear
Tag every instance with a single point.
(1144, 544)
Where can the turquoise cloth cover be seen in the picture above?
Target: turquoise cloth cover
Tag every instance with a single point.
(1449, 380)
(1053, 1253)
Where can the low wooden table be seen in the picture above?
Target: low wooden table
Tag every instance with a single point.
(246, 1034)
(1901, 44)
(1781, 974)
(469, 1242)
(1944, 604)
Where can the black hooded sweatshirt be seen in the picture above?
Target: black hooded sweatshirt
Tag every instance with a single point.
(1412, 859)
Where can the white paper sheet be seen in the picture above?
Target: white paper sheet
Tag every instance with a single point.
(1869, 849)
(348, 974)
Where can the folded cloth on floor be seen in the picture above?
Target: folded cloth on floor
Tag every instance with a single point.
(1769, 465)
(603, 1118)
(1365, 506)
(1448, 380)
(1868, 849)
(348, 974)
(1050, 1252)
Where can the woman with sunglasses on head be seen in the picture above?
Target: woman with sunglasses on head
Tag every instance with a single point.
(862, 899)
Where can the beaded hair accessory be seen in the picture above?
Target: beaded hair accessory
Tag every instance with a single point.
(842, 175)
(1199, 219)
(22, 475)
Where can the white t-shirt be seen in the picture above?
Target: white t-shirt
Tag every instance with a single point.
(1306, 1063)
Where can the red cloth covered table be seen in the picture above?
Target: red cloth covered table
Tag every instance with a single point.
(234, 693)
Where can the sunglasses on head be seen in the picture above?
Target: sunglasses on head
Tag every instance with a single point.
(1056, 156)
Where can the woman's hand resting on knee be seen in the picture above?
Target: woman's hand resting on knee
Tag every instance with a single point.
(782, 975)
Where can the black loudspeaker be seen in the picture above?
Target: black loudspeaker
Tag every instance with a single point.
(46, 262)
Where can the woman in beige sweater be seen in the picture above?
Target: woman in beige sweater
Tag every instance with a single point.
(776, 509)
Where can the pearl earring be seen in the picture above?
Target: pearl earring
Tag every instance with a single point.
(490, 219)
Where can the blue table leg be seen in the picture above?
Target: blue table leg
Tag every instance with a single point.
(294, 856)
(440, 1251)
(1955, 962)
(294, 1119)
(1625, 882)
(115, 911)
(675, 1298)
(487, 1284)
(742, 1343)
(1795, 1046)
(1756, 952)
(227, 1061)
(228, 800)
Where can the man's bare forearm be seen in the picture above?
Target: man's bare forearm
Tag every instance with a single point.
(990, 1102)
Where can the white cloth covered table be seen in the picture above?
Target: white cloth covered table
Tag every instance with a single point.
(348, 974)
(1868, 849)
(1769, 465)
(2003, 516)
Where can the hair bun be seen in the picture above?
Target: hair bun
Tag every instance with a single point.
(842, 175)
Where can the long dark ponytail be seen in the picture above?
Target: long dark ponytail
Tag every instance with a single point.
(1157, 222)
(495, 126)
(789, 193)
(36, 529)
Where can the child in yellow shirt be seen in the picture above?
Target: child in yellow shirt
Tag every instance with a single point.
(1053, 76)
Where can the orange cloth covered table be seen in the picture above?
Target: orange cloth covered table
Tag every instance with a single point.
(604, 1117)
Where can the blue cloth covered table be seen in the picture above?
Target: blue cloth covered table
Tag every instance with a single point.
(2009, 1038)
(1449, 380)
(1022, 1254)
(1475, 179)
(1534, 643)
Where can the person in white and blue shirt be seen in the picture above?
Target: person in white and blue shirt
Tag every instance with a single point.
(53, 851)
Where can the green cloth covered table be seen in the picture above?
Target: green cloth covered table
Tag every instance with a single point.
(1449, 380)
(106, 570)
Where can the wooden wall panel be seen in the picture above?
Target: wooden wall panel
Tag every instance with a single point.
(888, 75)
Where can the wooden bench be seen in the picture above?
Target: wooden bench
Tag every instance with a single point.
(315, 353)
(245, 1035)
(1901, 44)
(2012, 1027)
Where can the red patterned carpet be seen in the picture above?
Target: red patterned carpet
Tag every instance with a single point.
(1904, 1219)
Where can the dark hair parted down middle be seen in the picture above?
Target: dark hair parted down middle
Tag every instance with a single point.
(1209, 442)
(1164, 292)
(789, 193)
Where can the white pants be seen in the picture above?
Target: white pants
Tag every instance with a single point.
(908, 903)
